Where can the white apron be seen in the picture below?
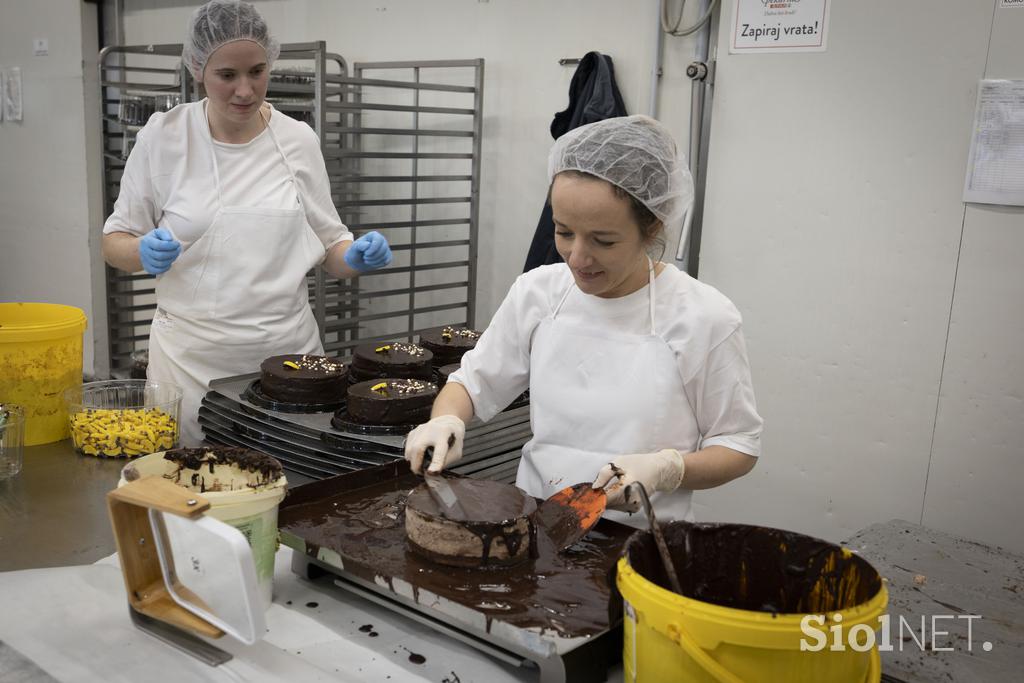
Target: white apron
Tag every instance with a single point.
(596, 393)
(236, 296)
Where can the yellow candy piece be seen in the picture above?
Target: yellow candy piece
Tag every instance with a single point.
(290, 364)
(382, 349)
(381, 388)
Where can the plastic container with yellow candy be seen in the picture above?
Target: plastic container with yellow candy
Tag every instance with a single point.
(123, 418)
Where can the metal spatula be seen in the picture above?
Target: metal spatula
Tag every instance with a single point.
(439, 487)
(442, 492)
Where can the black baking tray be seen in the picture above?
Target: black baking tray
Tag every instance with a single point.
(559, 611)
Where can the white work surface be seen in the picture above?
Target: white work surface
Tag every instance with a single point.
(72, 624)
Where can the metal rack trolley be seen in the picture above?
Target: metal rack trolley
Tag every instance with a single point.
(378, 136)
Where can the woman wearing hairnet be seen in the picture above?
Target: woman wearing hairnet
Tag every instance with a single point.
(228, 203)
(636, 371)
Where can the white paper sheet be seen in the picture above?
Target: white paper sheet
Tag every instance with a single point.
(995, 164)
(11, 87)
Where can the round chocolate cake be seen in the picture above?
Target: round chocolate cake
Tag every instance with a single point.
(391, 401)
(449, 343)
(490, 525)
(297, 378)
(444, 371)
(391, 360)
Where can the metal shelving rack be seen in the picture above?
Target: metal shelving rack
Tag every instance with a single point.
(410, 162)
(379, 137)
(124, 71)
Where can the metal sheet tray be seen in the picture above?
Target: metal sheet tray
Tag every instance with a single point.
(310, 445)
(230, 391)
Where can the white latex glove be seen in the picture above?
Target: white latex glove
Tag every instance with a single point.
(444, 434)
(661, 471)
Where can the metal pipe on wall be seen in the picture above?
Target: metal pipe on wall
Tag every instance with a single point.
(702, 72)
(659, 43)
(700, 54)
(685, 250)
(697, 71)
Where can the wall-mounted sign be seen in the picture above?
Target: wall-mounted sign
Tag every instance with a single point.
(780, 26)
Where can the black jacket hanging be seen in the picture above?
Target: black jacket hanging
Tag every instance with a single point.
(593, 96)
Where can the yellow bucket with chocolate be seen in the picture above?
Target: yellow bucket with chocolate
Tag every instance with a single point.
(757, 605)
(124, 418)
(40, 357)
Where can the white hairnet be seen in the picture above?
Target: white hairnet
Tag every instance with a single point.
(224, 21)
(635, 153)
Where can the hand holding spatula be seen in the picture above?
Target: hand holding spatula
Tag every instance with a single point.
(442, 436)
(660, 471)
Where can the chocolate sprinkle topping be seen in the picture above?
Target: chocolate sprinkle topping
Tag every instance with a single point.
(245, 459)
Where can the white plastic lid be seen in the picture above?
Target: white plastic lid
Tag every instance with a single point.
(208, 569)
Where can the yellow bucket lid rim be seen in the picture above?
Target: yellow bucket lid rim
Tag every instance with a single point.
(57, 321)
(863, 612)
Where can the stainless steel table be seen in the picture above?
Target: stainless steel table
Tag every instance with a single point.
(54, 513)
(58, 623)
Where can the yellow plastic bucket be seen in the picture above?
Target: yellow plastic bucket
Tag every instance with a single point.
(40, 357)
(673, 637)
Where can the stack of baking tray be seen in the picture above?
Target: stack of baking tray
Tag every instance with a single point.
(309, 445)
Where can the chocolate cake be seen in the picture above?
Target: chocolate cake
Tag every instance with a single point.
(491, 525)
(394, 360)
(297, 378)
(444, 371)
(391, 401)
(449, 343)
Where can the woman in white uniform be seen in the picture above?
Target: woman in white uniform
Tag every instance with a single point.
(228, 203)
(636, 371)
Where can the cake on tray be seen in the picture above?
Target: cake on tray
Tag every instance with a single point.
(492, 525)
(393, 360)
(303, 379)
(391, 401)
(444, 371)
(449, 343)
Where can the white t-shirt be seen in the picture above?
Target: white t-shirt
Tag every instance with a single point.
(699, 324)
(169, 181)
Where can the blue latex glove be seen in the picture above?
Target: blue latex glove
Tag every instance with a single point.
(369, 252)
(158, 249)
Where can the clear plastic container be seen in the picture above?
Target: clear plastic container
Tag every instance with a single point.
(124, 418)
(12, 439)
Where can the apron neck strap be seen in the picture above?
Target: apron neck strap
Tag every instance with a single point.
(213, 152)
(572, 283)
(650, 294)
